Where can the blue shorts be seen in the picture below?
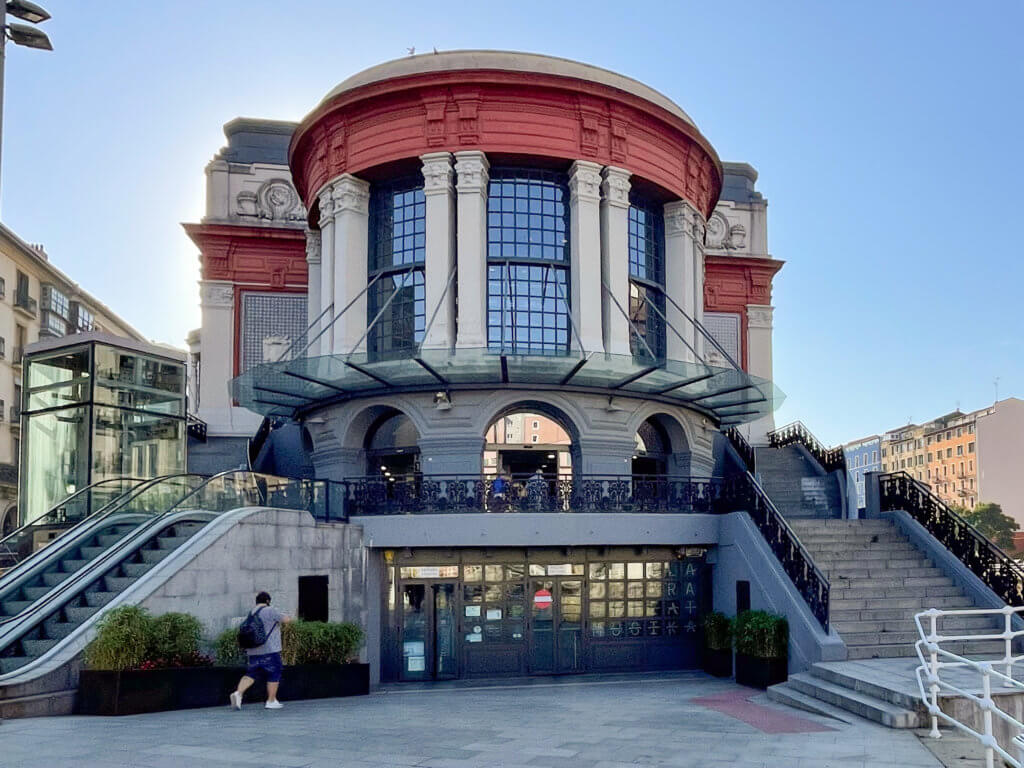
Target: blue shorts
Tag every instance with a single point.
(267, 666)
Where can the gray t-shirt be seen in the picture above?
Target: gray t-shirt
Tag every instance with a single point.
(269, 617)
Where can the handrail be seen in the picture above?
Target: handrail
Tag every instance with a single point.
(808, 579)
(986, 559)
(935, 660)
(830, 459)
(743, 448)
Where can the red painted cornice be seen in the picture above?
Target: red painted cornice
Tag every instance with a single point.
(266, 256)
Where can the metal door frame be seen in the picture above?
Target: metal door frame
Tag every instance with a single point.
(430, 631)
(556, 614)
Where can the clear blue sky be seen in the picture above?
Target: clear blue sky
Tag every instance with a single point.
(888, 136)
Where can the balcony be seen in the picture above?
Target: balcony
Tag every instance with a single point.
(474, 494)
(25, 303)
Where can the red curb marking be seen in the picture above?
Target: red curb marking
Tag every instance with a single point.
(737, 704)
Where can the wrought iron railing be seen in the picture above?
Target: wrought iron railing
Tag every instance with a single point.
(439, 494)
(986, 560)
(829, 458)
(196, 428)
(743, 448)
(809, 581)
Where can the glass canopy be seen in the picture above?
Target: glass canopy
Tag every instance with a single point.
(292, 388)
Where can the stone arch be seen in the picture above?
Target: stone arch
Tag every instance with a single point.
(542, 406)
(674, 430)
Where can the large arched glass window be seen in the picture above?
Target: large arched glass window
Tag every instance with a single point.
(647, 279)
(528, 262)
(397, 250)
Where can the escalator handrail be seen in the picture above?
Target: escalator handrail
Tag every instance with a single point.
(220, 475)
(80, 580)
(58, 544)
(94, 569)
(22, 571)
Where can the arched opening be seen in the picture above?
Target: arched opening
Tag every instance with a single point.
(653, 450)
(8, 520)
(521, 443)
(392, 449)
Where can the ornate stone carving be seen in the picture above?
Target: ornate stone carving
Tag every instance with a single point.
(313, 245)
(725, 236)
(326, 206)
(615, 187)
(468, 103)
(350, 194)
(679, 218)
(471, 171)
(759, 316)
(276, 200)
(585, 181)
(437, 173)
(435, 103)
(216, 295)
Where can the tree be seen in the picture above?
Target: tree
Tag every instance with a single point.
(990, 520)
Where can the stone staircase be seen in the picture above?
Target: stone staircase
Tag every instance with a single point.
(797, 484)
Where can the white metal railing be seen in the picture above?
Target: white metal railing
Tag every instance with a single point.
(936, 660)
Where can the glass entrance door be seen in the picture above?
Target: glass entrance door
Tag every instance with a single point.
(429, 632)
(556, 625)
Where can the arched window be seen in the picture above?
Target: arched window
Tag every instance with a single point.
(397, 251)
(392, 448)
(528, 262)
(647, 279)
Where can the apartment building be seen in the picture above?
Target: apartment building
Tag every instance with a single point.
(951, 467)
(37, 301)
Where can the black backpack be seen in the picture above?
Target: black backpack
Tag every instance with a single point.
(252, 633)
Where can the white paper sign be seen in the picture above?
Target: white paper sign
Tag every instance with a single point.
(472, 610)
(493, 614)
(416, 663)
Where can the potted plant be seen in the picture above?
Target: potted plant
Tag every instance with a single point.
(718, 644)
(762, 649)
(139, 663)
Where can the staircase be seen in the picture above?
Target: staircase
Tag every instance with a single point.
(797, 484)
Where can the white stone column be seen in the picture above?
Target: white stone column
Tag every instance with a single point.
(585, 254)
(216, 353)
(759, 363)
(351, 198)
(471, 169)
(439, 192)
(325, 344)
(313, 308)
(697, 233)
(615, 259)
(684, 279)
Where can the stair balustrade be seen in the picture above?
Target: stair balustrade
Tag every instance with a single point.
(743, 448)
(831, 459)
(986, 560)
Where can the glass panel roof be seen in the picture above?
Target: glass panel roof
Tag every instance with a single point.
(289, 387)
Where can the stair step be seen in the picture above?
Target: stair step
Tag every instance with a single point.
(37, 648)
(171, 542)
(11, 663)
(904, 636)
(99, 599)
(788, 694)
(880, 574)
(134, 570)
(883, 582)
(59, 629)
(118, 583)
(846, 680)
(906, 620)
(108, 540)
(54, 578)
(906, 590)
(14, 607)
(34, 593)
(916, 602)
(91, 553)
(154, 555)
(79, 613)
(858, 703)
(73, 565)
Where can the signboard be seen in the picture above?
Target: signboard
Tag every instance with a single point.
(542, 599)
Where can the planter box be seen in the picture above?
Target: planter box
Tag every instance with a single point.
(135, 692)
(718, 663)
(760, 673)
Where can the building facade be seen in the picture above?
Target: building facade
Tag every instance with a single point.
(37, 302)
(862, 456)
(525, 283)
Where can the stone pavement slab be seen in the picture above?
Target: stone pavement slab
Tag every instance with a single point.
(639, 721)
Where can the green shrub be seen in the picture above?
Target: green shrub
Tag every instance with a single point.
(174, 636)
(317, 642)
(762, 634)
(226, 649)
(717, 631)
(122, 639)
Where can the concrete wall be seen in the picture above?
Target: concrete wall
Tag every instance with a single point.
(1000, 433)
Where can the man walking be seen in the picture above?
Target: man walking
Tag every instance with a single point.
(265, 658)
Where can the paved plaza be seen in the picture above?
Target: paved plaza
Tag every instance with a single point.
(684, 719)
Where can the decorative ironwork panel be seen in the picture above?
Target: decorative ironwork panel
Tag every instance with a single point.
(271, 324)
(830, 459)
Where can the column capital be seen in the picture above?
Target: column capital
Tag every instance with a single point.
(615, 186)
(760, 315)
(312, 246)
(437, 173)
(471, 167)
(216, 294)
(585, 181)
(350, 193)
(681, 218)
(326, 205)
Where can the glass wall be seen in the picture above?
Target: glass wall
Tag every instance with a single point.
(94, 412)
(647, 279)
(528, 262)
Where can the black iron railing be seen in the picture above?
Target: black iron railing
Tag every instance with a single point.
(196, 428)
(829, 458)
(987, 561)
(440, 494)
(743, 448)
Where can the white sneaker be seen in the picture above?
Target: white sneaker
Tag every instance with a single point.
(236, 700)
(274, 705)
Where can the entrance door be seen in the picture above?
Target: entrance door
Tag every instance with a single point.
(429, 632)
(556, 625)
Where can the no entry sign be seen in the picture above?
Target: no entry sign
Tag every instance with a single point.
(542, 599)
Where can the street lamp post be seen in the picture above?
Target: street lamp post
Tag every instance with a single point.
(19, 34)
